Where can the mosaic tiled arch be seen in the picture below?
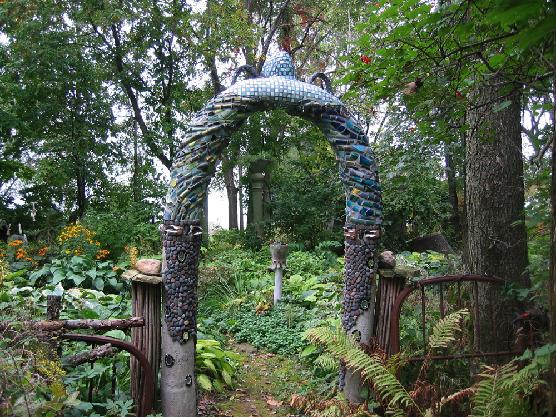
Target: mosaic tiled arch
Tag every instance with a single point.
(195, 163)
(210, 130)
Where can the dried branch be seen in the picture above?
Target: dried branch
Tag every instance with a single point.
(56, 325)
(92, 355)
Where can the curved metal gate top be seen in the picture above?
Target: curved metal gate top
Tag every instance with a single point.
(194, 166)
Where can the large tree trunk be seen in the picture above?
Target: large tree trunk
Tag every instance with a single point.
(494, 199)
(552, 276)
(240, 192)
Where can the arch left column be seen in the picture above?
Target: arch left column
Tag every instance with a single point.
(193, 168)
(181, 248)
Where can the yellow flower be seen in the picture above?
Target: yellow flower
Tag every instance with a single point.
(20, 253)
(15, 243)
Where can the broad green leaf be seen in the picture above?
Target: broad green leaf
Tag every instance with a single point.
(308, 350)
(204, 382)
(209, 364)
(227, 378)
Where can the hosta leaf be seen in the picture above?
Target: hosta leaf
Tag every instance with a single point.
(204, 382)
(227, 378)
(210, 365)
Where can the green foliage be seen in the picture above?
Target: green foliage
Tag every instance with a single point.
(133, 227)
(443, 332)
(308, 198)
(431, 263)
(313, 290)
(279, 330)
(78, 271)
(414, 195)
(215, 366)
(32, 385)
(503, 391)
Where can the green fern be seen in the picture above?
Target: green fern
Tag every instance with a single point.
(503, 390)
(443, 333)
(340, 346)
(327, 362)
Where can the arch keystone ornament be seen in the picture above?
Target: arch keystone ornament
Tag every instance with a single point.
(195, 163)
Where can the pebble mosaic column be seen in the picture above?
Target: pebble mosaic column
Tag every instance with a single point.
(181, 247)
(359, 291)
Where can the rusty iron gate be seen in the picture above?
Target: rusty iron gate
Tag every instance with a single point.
(147, 377)
(442, 282)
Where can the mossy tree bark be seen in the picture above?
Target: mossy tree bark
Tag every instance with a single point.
(494, 200)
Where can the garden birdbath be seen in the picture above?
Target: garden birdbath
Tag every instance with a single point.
(278, 253)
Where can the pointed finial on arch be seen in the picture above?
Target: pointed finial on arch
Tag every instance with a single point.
(279, 65)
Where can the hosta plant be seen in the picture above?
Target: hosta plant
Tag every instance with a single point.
(215, 366)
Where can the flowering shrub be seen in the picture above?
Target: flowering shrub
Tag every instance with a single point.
(19, 254)
(77, 240)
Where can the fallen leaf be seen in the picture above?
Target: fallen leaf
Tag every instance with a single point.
(274, 403)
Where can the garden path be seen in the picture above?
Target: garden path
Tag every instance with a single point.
(263, 389)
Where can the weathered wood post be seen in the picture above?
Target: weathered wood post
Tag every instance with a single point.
(278, 253)
(391, 281)
(146, 302)
(53, 308)
(181, 247)
(359, 291)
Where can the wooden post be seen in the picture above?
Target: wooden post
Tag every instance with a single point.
(146, 302)
(391, 282)
(53, 307)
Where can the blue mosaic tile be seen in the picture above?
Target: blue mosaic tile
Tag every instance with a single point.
(209, 131)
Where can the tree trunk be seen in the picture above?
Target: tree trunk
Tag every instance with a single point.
(231, 192)
(552, 276)
(494, 199)
(135, 186)
(452, 191)
(205, 220)
(240, 191)
(81, 200)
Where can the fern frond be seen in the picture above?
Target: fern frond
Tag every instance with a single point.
(488, 396)
(456, 397)
(443, 332)
(338, 344)
(327, 362)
